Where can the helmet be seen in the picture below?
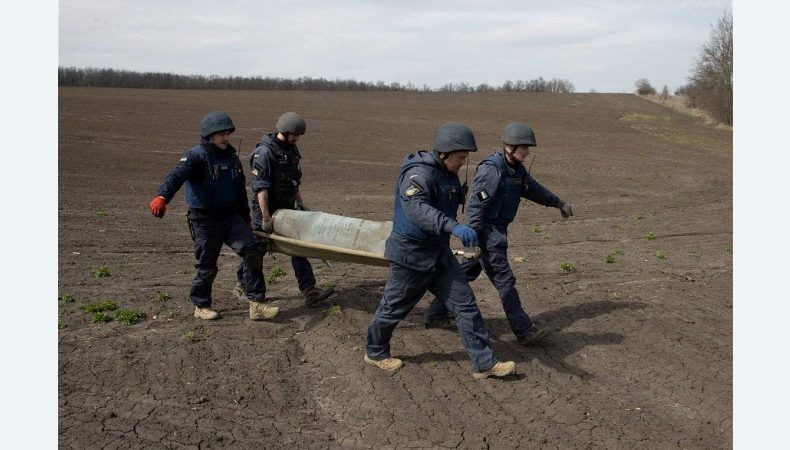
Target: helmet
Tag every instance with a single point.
(214, 122)
(518, 133)
(453, 137)
(291, 122)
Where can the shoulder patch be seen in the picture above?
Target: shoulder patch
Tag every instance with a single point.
(411, 191)
(183, 158)
(255, 172)
(482, 195)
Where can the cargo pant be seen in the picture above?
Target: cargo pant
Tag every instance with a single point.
(405, 287)
(209, 235)
(501, 275)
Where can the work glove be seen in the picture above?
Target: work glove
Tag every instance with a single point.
(565, 209)
(158, 206)
(466, 234)
(268, 226)
(300, 206)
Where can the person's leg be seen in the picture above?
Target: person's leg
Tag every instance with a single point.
(208, 243)
(242, 241)
(405, 287)
(303, 271)
(501, 275)
(450, 286)
(437, 315)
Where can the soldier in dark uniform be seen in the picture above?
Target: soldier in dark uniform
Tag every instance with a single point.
(499, 184)
(216, 194)
(427, 195)
(276, 177)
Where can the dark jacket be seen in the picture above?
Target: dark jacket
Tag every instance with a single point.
(214, 179)
(427, 196)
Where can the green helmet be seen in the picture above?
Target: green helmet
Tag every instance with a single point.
(291, 122)
(453, 137)
(214, 122)
(518, 133)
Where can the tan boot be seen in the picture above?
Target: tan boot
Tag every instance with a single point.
(206, 313)
(314, 295)
(500, 369)
(238, 292)
(388, 364)
(263, 311)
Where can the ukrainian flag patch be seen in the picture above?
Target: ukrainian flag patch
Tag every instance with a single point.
(411, 191)
(482, 195)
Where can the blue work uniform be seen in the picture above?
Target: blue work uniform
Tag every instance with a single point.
(497, 189)
(216, 194)
(427, 196)
(275, 167)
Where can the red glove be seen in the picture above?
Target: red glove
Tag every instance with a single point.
(158, 206)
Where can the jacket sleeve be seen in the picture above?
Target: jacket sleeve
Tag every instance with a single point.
(415, 196)
(537, 193)
(484, 188)
(261, 163)
(188, 167)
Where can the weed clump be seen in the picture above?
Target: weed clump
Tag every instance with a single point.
(334, 309)
(568, 267)
(162, 296)
(276, 273)
(100, 317)
(128, 316)
(650, 236)
(101, 272)
(66, 299)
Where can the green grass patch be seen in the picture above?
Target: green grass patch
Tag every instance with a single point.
(537, 229)
(107, 305)
(650, 236)
(661, 255)
(610, 259)
(128, 316)
(192, 335)
(640, 217)
(101, 272)
(276, 273)
(100, 317)
(65, 299)
(334, 309)
(568, 267)
(61, 325)
(102, 213)
(162, 296)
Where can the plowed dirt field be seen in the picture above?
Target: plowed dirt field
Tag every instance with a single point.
(641, 355)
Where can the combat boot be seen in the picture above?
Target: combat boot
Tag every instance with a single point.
(533, 336)
(314, 295)
(262, 311)
(240, 293)
(500, 369)
(388, 364)
(206, 313)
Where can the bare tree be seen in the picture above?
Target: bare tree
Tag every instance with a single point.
(643, 87)
(710, 85)
(664, 93)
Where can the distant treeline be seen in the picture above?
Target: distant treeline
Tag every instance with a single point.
(92, 77)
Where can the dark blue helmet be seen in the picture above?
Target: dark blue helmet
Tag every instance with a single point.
(518, 133)
(214, 122)
(453, 137)
(291, 122)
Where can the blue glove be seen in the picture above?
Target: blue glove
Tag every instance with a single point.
(466, 234)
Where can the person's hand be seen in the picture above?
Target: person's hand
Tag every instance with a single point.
(466, 234)
(565, 210)
(158, 206)
(268, 225)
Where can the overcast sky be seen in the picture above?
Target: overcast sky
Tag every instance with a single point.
(603, 45)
